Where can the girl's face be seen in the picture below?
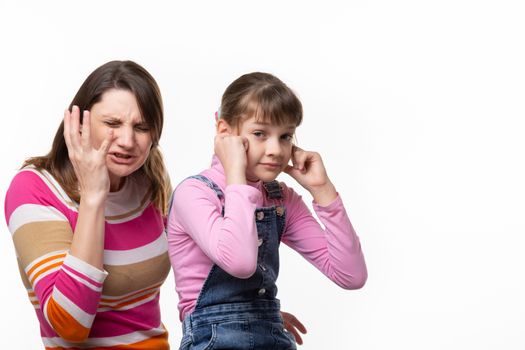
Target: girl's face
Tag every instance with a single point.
(118, 110)
(269, 148)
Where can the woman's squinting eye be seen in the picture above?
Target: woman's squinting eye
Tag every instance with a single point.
(142, 127)
(111, 123)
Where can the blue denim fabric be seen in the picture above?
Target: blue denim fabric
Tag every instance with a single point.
(234, 313)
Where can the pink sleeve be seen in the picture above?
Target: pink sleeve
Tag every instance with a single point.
(229, 241)
(66, 288)
(335, 250)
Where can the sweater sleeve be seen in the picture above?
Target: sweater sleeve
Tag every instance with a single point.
(66, 288)
(334, 250)
(230, 241)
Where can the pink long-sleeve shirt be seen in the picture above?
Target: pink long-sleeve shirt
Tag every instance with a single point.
(199, 236)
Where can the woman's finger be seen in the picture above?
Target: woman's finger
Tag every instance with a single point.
(67, 127)
(104, 147)
(74, 129)
(85, 136)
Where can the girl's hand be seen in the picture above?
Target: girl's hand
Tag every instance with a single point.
(294, 326)
(308, 169)
(89, 163)
(231, 151)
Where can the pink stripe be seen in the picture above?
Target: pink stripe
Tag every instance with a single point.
(113, 323)
(82, 296)
(28, 188)
(45, 329)
(81, 275)
(139, 231)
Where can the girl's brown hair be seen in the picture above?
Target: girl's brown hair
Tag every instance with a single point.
(262, 95)
(123, 75)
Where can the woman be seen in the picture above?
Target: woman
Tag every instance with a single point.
(87, 219)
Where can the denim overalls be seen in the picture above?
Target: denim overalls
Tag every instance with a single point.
(234, 313)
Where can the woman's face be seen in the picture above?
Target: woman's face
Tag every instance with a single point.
(118, 110)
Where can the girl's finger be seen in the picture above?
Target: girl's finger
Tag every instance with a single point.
(85, 135)
(245, 143)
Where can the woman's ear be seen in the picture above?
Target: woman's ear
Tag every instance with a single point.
(223, 127)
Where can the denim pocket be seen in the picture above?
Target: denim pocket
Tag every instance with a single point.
(223, 335)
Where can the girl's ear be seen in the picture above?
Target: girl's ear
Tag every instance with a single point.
(223, 127)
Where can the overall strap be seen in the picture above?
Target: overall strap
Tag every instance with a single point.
(273, 189)
(210, 184)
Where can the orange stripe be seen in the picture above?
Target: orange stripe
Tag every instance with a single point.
(121, 305)
(64, 324)
(44, 261)
(103, 300)
(52, 266)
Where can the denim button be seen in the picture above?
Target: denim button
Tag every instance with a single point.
(260, 215)
(259, 242)
(279, 211)
(262, 291)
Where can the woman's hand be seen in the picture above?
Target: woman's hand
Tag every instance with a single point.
(308, 169)
(89, 163)
(294, 326)
(231, 151)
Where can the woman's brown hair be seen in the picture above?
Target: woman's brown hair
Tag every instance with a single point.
(123, 75)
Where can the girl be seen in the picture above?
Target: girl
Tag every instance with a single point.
(226, 223)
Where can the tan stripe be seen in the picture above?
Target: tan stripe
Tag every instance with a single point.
(142, 205)
(133, 277)
(35, 239)
(24, 277)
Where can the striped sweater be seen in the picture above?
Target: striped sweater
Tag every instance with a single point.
(79, 306)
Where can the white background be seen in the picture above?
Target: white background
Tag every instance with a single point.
(417, 108)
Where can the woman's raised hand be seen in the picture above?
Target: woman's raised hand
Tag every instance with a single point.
(89, 163)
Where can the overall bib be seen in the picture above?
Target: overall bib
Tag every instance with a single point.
(234, 313)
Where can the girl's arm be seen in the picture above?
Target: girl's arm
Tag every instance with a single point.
(335, 250)
(229, 241)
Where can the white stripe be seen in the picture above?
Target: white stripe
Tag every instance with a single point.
(129, 338)
(85, 268)
(47, 273)
(43, 257)
(83, 281)
(77, 313)
(28, 213)
(128, 218)
(55, 187)
(43, 266)
(131, 256)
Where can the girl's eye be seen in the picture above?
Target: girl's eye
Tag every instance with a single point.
(258, 133)
(287, 137)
